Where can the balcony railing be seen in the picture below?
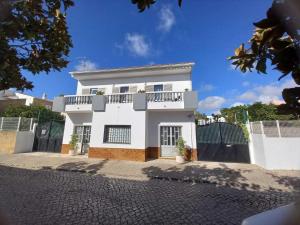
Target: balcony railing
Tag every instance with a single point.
(118, 98)
(165, 97)
(126, 98)
(78, 100)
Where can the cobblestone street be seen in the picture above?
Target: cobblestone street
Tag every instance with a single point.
(57, 197)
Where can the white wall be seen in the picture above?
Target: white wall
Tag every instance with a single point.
(179, 82)
(119, 114)
(276, 153)
(29, 99)
(185, 119)
(24, 141)
(75, 119)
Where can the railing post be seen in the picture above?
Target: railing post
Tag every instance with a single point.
(278, 128)
(1, 123)
(31, 121)
(19, 123)
(262, 128)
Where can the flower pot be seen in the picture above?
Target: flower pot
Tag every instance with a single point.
(187, 154)
(180, 159)
(72, 152)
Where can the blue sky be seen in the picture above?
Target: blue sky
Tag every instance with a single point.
(111, 34)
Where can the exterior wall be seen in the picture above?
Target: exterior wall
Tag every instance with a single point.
(7, 141)
(276, 153)
(75, 119)
(42, 102)
(16, 142)
(119, 114)
(179, 82)
(119, 154)
(24, 141)
(11, 102)
(28, 98)
(185, 119)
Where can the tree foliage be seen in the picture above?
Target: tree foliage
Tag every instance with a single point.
(276, 39)
(257, 112)
(143, 4)
(34, 37)
(38, 112)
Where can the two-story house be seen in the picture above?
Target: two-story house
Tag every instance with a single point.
(143, 111)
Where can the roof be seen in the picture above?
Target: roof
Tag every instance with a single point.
(133, 71)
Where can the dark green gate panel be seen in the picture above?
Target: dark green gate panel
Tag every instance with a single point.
(222, 142)
(49, 136)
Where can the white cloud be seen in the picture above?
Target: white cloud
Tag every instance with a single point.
(136, 44)
(212, 103)
(266, 93)
(237, 104)
(85, 65)
(206, 87)
(166, 19)
(248, 96)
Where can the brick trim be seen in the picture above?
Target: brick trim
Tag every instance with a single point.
(118, 154)
(65, 149)
(194, 154)
(153, 152)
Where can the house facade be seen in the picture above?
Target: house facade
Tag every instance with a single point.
(10, 98)
(133, 113)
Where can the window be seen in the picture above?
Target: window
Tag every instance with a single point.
(93, 91)
(158, 87)
(169, 135)
(124, 89)
(117, 134)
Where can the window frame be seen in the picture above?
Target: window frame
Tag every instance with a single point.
(106, 135)
(93, 89)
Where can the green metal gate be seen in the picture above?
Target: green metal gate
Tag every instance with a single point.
(222, 142)
(49, 136)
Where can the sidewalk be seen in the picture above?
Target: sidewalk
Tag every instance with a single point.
(240, 176)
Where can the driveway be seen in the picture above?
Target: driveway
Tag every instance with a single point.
(42, 190)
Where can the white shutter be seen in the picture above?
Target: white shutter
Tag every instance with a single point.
(116, 90)
(133, 89)
(149, 88)
(168, 87)
(85, 91)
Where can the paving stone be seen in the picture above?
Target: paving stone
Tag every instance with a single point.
(32, 197)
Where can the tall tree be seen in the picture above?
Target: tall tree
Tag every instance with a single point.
(34, 37)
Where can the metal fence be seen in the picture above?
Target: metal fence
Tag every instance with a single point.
(16, 123)
(276, 128)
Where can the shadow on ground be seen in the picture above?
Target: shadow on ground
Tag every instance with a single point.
(60, 197)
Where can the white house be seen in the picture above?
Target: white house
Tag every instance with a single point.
(143, 111)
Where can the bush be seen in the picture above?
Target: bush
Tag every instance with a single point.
(180, 146)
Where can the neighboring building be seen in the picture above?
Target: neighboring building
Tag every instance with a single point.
(8, 98)
(211, 119)
(142, 114)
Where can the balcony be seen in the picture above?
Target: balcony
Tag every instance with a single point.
(139, 101)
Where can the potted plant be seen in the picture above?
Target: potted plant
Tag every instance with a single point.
(73, 144)
(141, 91)
(181, 148)
(100, 93)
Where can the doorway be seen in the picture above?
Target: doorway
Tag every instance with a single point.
(84, 134)
(169, 136)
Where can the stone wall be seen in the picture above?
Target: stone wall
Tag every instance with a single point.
(7, 141)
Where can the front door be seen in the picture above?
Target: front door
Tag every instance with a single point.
(168, 140)
(84, 133)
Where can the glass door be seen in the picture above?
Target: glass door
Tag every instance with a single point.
(124, 89)
(158, 96)
(168, 140)
(84, 134)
